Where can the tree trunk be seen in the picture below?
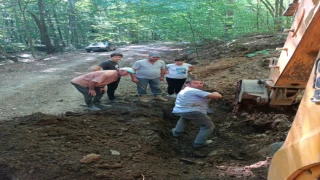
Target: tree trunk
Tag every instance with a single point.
(58, 27)
(268, 5)
(26, 27)
(45, 35)
(55, 37)
(73, 23)
(191, 27)
(277, 16)
(258, 14)
(229, 22)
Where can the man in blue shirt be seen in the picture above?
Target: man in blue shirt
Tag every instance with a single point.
(149, 72)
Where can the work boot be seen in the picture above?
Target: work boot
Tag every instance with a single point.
(174, 133)
(160, 98)
(144, 99)
(93, 108)
(202, 145)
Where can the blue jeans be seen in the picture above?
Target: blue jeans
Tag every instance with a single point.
(88, 99)
(200, 119)
(142, 86)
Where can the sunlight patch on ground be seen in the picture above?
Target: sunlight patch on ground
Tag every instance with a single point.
(176, 49)
(26, 60)
(136, 46)
(50, 58)
(104, 54)
(84, 53)
(247, 43)
(80, 73)
(41, 64)
(51, 70)
(25, 55)
(129, 49)
(90, 59)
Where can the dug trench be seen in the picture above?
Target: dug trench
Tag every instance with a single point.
(132, 140)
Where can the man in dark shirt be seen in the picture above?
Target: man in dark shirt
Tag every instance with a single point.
(111, 64)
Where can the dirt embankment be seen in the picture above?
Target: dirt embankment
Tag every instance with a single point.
(132, 140)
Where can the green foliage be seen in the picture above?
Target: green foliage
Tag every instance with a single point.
(83, 21)
(15, 47)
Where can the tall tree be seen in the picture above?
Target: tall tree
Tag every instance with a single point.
(73, 23)
(23, 6)
(41, 24)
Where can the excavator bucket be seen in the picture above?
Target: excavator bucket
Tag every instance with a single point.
(250, 90)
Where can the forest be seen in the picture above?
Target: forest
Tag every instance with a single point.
(62, 25)
(48, 133)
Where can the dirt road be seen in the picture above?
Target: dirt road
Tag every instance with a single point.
(44, 86)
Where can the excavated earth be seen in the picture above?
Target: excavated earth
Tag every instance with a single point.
(46, 134)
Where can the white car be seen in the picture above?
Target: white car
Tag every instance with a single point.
(100, 46)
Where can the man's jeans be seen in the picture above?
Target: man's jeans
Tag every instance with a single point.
(88, 99)
(200, 119)
(154, 86)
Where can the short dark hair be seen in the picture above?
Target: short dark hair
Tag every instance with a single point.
(116, 54)
(179, 59)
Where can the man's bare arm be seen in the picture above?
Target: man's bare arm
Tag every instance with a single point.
(96, 68)
(214, 95)
(134, 77)
(92, 85)
(163, 72)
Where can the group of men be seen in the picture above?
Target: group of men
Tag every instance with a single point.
(191, 103)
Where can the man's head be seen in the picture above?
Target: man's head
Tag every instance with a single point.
(115, 57)
(179, 61)
(194, 83)
(153, 57)
(126, 71)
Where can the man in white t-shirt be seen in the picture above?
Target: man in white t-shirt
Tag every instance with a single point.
(149, 72)
(192, 104)
(177, 75)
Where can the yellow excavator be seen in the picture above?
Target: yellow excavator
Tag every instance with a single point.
(296, 71)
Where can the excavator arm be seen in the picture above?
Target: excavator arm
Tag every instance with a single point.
(296, 70)
(299, 156)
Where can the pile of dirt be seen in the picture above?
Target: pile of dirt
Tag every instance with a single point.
(132, 140)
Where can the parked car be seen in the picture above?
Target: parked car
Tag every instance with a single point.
(100, 46)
